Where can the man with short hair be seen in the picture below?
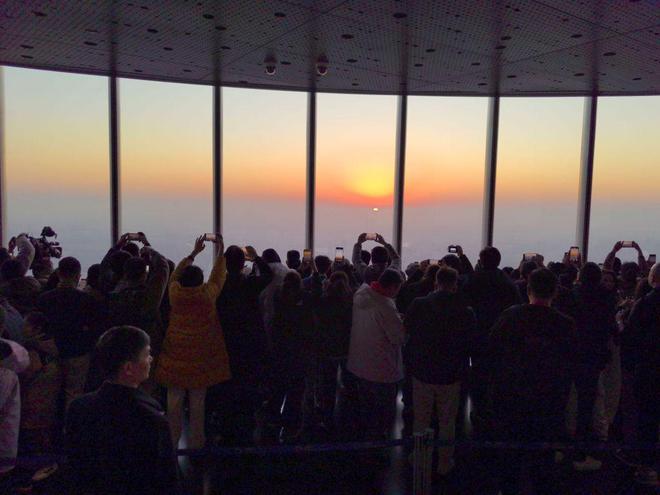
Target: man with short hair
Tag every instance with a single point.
(531, 363)
(74, 321)
(489, 291)
(641, 350)
(440, 328)
(118, 439)
(374, 355)
(138, 295)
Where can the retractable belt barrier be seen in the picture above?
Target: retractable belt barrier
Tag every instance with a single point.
(279, 450)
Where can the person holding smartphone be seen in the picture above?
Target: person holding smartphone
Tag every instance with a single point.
(610, 262)
(382, 257)
(234, 403)
(194, 356)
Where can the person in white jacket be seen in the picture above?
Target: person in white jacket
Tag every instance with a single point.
(14, 359)
(374, 355)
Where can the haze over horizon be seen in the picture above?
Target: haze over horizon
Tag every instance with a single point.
(56, 149)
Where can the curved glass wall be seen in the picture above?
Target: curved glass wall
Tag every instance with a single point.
(355, 150)
(167, 164)
(56, 149)
(625, 197)
(538, 166)
(446, 140)
(264, 167)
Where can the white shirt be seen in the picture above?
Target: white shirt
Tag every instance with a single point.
(10, 403)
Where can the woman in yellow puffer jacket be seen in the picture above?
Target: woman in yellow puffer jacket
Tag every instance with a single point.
(194, 356)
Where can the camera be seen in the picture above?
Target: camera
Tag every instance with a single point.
(271, 65)
(322, 65)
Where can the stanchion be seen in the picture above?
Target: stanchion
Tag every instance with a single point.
(423, 462)
(428, 460)
(417, 464)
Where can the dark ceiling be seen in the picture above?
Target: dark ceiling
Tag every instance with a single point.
(550, 47)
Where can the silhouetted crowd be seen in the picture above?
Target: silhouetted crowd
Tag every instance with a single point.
(318, 350)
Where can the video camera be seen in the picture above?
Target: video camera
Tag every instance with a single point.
(43, 248)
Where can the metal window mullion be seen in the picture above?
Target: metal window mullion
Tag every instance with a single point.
(115, 199)
(311, 170)
(217, 159)
(492, 132)
(400, 171)
(586, 175)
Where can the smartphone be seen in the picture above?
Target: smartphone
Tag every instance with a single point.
(339, 254)
(372, 236)
(452, 249)
(133, 237)
(307, 255)
(529, 256)
(652, 259)
(627, 244)
(434, 262)
(574, 253)
(211, 237)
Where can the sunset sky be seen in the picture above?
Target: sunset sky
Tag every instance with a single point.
(57, 144)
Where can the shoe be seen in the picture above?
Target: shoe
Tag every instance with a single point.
(647, 476)
(588, 464)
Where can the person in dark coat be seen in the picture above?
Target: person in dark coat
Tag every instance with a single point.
(488, 291)
(334, 316)
(117, 438)
(231, 405)
(440, 328)
(641, 351)
(531, 365)
(294, 357)
(595, 310)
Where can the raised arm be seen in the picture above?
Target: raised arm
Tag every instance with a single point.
(395, 259)
(159, 274)
(356, 258)
(25, 252)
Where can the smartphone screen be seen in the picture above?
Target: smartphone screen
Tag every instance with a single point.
(652, 259)
(307, 254)
(627, 244)
(452, 249)
(574, 253)
(133, 237)
(372, 236)
(529, 256)
(210, 237)
(434, 262)
(339, 254)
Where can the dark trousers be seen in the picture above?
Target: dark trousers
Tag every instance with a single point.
(377, 408)
(586, 385)
(329, 370)
(287, 397)
(648, 417)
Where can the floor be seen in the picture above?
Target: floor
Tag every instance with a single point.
(380, 472)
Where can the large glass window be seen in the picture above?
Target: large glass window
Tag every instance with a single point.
(538, 167)
(167, 164)
(57, 159)
(626, 194)
(264, 167)
(356, 139)
(445, 153)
